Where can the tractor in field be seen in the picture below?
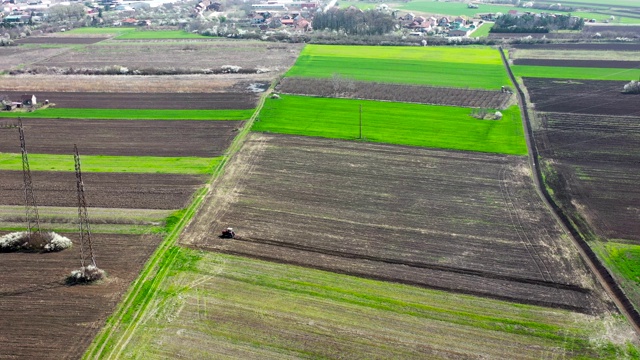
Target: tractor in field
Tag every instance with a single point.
(228, 233)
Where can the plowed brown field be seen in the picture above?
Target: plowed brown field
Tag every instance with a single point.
(194, 101)
(597, 159)
(108, 190)
(579, 63)
(42, 318)
(60, 40)
(118, 137)
(459, 221)
(582, 96)
(394, 92)
(180, 55)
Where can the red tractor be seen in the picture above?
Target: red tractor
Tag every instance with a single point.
(228, 233)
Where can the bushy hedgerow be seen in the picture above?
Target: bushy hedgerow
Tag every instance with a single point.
(85, 275)
(36, 242)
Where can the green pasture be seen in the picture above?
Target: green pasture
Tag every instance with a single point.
(576, 72)
(158, 34)
(467, 67)
(483, 30)
(131, 114)
(625, 258)
(117, 164)
(444, 127)
(454, 8)
(600, 3)
(359, 4)
(215, 303)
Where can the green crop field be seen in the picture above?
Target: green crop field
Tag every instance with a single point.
(104, 163)
(483, 30)
(468, 67)
(211, 303)
(159, 34)
(132, 114)
(576, 72)
(444, 127)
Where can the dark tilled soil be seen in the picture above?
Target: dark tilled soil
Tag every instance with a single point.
(42, 318)
(582, 96)
(459, 221)
(178, 101)
(110, 190)
(60, 40)
(579, 63)
(121, 137)
(612, 28)
(392, 92)
(583, 46)
(597, 161)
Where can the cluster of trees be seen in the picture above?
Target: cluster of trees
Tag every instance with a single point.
(529, 23)
(355, 22)
(66, 12)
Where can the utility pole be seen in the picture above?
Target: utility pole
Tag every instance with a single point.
(86, 248)
(30, 205)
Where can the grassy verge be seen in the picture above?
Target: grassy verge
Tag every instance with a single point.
(468, 67)
(213, 303)
(444, 127)
(576, 72)
(116, 164)
(159, 34)
(623, 260)
(131, 114)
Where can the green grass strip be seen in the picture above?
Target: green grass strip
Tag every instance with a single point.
(582, 73)
(159, 34)
(116, 164)
(132, 114)
(468, 67)
(444, 127)
(483, 30)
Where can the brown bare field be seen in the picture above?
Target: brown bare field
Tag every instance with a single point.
(250, 55)
(122, 100)
(347, 88)
(108, 190)
(619, 29)
(12, 57)
(133, 83)
(596, 161)
(460, 221)
(579, 63)
(582, 46)
(42, 318)
(60, 40)
(121, 137)
(582, 96)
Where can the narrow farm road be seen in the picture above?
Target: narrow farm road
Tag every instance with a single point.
(597, 268)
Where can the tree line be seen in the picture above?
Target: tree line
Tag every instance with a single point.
(355, 22)
(529, 23)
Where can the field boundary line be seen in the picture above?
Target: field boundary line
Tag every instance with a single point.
(586, 253)
(151, 273)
